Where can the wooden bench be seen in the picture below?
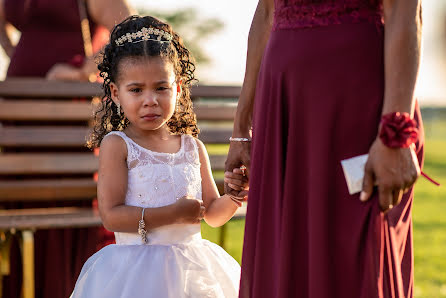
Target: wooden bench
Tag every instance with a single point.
(43, 157)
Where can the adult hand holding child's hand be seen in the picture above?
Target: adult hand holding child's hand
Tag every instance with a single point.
(189, 210)
(238, 182)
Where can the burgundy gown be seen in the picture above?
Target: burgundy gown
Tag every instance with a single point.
(50, 34)
(318, 100)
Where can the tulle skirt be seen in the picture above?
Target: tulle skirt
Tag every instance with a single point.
(196, 268)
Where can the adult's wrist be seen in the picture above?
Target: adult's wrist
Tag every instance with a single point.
(398, 130)
(242, 129)
(242, 121)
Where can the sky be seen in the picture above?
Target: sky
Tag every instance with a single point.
(227, 48)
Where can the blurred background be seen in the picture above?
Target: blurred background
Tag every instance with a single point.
(217, 32)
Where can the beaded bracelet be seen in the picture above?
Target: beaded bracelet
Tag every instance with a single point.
(231, 139)
(141, 228)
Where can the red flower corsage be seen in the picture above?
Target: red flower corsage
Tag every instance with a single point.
(398, 130)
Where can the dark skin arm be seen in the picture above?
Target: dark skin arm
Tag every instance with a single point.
(239, 152)
(396, 170)
(5, 40)
(103, 12)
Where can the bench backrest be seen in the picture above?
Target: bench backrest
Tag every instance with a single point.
(43, 130)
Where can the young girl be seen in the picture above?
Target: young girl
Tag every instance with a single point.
(155, 182)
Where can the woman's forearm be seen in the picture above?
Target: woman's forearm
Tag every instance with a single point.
(257, 40)
(402, 49)
(123, 218)
(5, 40)
(220, 211)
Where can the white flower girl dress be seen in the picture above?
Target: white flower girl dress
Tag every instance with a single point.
(176, 262)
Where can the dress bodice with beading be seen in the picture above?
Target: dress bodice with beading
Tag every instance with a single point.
(293, 14)
(157, 179)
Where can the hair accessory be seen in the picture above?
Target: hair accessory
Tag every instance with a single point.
(398, 130)
(143, 35)
(141, 228)
(231, 139)
(104, 74)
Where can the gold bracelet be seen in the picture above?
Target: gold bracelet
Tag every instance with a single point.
(141, 228)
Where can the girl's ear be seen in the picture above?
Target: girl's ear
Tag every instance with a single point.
(114, 93)
(179, 82)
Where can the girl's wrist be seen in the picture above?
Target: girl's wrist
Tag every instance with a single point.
(177, 216)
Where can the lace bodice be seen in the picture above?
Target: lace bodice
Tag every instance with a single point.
(291, 14)
(157, 179)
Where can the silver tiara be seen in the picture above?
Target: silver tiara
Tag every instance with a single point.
(143, 35)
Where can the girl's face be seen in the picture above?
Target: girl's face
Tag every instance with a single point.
(147, 91)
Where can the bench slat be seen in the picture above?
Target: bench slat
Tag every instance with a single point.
(51, 110)
(47, 190)
(48, 218)
(40, 88)
(64, 163)
(45, 110)
(47, 163)
(64, 136)
(32, 136)
(215, 112)
(217, 162)
(54, 189)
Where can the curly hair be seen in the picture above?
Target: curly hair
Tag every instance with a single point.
(106, 116)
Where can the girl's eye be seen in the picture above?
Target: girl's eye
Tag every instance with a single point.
(135, 90)
(162, 88)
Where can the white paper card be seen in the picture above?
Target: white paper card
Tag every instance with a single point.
(354, 172)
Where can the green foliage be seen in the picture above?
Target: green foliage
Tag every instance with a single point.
(192, 28)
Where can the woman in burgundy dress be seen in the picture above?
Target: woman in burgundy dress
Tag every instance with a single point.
(320, 75)
(51, 45)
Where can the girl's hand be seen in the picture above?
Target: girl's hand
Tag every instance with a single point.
(236, 179)
(66, 72)
(395, 171)
(189, 210)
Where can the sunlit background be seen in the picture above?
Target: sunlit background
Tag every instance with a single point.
(226, 48)
(222, 51)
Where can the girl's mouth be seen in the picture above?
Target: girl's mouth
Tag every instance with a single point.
(150, 117)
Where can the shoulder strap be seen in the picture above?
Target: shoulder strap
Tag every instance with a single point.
(128, 142)
(85, 28)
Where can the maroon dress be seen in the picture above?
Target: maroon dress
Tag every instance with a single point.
(50, 34)
(318, 101)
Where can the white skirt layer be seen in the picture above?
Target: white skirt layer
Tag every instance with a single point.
(197, 269)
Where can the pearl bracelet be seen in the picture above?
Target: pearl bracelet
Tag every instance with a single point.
(141, 228)
(231, 139)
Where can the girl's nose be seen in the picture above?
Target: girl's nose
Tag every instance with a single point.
(150, 100)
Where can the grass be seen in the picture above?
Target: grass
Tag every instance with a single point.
(429, 218)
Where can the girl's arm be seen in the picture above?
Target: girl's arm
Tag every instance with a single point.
(112, 189)
(218, 209)
(239, 152)
(396, 170)
(5, 40)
